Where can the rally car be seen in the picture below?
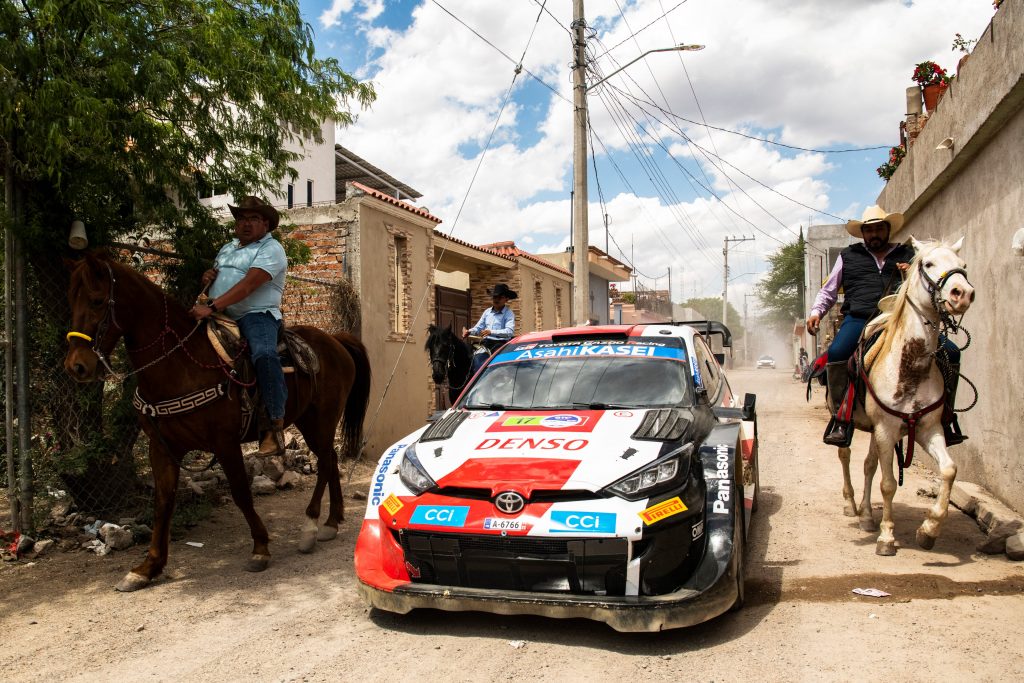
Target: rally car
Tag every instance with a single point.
(599, 472)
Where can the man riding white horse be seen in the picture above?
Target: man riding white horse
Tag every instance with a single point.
(868, 272)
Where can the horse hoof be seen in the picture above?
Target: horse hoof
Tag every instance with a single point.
(868, 524)
(924, 540)
(327, 533)
(885, 548)
(257, 563)
(307, 541)
(131, 583)
(850, 510)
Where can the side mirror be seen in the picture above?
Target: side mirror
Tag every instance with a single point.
(749, 403)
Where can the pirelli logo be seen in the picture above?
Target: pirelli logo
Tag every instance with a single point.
(392, 504)
(662, 510)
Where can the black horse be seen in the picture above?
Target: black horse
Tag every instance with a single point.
(451, 359)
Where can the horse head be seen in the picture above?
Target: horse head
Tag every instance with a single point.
(441, 347)
(94, 327)
(943, 278)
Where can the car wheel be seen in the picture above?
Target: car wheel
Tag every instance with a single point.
(739, 562)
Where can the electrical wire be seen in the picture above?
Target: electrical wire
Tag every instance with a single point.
(633, 35)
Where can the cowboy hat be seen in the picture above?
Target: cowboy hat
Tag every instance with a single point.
(501, 289)
(256, 205)
(875, 214)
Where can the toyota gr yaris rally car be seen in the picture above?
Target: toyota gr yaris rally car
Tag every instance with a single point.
(597, 472)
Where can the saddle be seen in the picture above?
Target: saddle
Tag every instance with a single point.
(294, 351)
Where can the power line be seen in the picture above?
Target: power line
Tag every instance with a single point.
(519, 65)
(633, 35)
(553, 17)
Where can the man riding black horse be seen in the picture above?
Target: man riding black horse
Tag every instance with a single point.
(868, 272)
(496, 325)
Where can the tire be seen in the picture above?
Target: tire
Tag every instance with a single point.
(739, 564)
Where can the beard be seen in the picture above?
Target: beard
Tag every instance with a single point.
(875, 243)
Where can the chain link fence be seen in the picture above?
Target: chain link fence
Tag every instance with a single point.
(86, 447)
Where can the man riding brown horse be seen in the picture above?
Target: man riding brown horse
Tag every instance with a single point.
(246, 284)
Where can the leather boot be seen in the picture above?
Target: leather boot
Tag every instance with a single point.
(838, 433)
(950, 425)
(273, 440)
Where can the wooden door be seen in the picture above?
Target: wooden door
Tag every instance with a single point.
(452, 307)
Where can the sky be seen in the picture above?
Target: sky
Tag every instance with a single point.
(667, 169)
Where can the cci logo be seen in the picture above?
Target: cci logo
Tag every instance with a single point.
(440, 515)
(564, 522)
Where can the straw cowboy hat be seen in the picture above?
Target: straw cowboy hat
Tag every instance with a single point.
(501, 289)
(256, 205)
(875, 214)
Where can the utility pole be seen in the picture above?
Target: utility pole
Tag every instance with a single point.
(580, 239)
(725, 274)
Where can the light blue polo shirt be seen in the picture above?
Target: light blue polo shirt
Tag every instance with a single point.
(234, 261)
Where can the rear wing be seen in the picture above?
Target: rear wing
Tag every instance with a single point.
(708, 329)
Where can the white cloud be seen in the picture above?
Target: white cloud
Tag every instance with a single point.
(802, 72)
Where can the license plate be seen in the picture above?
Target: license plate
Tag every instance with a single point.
(498, 524)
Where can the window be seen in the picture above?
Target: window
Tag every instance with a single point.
(710, 375)
(401, 277)
(558, 307)
(309, 193)
(291, 195)
(538, 308)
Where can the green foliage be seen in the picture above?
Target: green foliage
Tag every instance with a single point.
(629, 297)
(110, 110)
(780, 291)
(711, 309)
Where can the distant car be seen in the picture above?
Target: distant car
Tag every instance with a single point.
(599, 472)
(766, 361)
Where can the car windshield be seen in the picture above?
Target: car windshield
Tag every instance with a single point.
(575, 382)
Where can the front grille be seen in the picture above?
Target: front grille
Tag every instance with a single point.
(538, 496)
(580, 566)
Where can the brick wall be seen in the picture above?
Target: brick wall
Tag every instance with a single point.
(486, 277)
(320, 292)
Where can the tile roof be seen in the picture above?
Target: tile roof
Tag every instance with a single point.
(377, 194)
(509, 248)
(477, 247)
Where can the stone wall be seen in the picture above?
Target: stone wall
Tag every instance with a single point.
(975, 190)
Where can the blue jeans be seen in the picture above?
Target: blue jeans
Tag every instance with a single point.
(260, 331)
(845, 342)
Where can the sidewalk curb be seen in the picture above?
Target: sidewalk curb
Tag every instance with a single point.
(1003, 526)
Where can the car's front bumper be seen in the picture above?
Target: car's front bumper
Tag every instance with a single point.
(685, 607)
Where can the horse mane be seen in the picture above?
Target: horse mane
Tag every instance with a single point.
(92, 267)
(888, 322)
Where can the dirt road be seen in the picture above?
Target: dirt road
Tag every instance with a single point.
(953, 614)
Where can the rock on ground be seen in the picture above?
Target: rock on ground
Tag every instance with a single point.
(262, 486)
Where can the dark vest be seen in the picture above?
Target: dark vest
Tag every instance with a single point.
(863, 284)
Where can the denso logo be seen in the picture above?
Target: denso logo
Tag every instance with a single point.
(440, 515)
(564, 521)
(539, 443)
(378, 480)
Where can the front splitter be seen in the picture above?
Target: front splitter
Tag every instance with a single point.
(675, 610)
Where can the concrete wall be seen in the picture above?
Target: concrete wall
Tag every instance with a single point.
(975, 190)
(543, 297)
(824, 242)
(316, 165)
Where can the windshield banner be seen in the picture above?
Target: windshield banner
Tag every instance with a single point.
(591, 350)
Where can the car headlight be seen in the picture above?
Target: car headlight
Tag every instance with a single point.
(656, 475)
(412, 474)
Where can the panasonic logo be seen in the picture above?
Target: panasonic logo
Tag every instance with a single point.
(721, 505)
(377, 491)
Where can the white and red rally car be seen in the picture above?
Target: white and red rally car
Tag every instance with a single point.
(599, 472)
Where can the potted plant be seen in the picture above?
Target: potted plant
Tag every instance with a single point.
(963, 45)
(933, 81)
(896, 155)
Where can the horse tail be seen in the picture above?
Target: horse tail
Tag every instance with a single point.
(358, 396)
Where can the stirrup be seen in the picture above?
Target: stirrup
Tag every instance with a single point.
(951, 431)
(838, 433)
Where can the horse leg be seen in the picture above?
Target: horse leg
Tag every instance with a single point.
(935, 444)
(234, 469)
(165, 479)
(850, 505)
(883, 448)
(326, 477)
(867, 519)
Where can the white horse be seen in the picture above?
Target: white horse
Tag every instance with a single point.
(905, 388)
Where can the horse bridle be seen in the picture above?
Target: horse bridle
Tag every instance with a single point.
(103, 327)
(109, 317)
(934, 288)
(449, 364)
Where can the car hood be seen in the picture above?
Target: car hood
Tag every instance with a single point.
(544, 450)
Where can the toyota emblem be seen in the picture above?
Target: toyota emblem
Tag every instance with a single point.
(509, 502)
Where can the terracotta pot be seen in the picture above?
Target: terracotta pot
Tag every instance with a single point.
(932, 93)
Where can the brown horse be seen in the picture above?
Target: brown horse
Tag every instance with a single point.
(174, 360)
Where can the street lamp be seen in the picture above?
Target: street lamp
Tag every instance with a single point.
(580, 236)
